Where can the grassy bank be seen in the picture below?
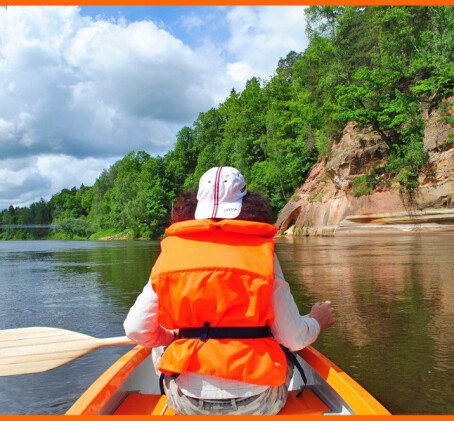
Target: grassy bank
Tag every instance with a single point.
(59, 234)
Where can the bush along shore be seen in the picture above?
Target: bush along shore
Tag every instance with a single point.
(64, 232)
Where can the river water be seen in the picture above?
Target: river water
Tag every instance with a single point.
(393, 297)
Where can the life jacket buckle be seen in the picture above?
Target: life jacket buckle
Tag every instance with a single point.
(204, 334)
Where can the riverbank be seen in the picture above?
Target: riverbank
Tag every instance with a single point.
(26, 234)
(108, 235)
(374, 230)
(407, 222)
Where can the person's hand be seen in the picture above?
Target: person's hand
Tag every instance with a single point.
(323, 313)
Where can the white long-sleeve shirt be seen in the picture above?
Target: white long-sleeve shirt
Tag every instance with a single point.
(289, 329)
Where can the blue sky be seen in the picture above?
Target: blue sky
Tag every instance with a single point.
(83, 86)
(171, 19)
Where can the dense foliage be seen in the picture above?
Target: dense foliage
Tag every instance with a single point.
(378, 66)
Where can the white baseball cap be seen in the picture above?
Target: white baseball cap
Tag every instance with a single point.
(220, 194)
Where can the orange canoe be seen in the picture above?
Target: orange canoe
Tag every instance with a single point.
(130, 387)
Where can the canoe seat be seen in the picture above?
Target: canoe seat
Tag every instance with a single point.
(141, 404)
(307, 404)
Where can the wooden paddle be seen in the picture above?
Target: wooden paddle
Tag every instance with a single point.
(36, 349)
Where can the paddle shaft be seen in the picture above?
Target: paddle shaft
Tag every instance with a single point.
(118, 340)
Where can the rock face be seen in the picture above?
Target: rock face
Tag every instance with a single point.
(325, 205)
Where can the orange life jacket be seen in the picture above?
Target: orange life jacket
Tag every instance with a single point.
(221, 273)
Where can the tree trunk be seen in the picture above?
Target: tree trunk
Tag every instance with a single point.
(385, 138)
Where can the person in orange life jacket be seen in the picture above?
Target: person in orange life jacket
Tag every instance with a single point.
(216, 284)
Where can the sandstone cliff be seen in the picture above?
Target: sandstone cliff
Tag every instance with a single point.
(325, 204)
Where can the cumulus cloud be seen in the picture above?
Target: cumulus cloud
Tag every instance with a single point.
(20, 182)
(259, 33)
(26, 180)
(191, 21)
(84, 87)
(79, 92)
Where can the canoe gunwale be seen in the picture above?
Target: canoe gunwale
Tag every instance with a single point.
(97, 399)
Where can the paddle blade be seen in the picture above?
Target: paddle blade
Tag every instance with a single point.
(36, 349)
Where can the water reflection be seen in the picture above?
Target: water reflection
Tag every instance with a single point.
(393, 298)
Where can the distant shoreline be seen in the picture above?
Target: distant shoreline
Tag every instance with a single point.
(367, 229)
(371, 229)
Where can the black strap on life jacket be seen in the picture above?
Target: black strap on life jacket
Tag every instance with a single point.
(292, 357)
(224, 332)
(161, 381)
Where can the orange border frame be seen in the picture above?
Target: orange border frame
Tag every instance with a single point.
(220, 3)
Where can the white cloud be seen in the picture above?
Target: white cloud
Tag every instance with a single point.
(78, 86)
(26, 180)
(78, 92)
(260, 36)
(239, 72)
(190, 22)
(67, 171)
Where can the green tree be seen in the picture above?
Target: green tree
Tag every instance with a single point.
(126, 187)
(151, 209)
(180, 162)
(100, 212)
(373, 100)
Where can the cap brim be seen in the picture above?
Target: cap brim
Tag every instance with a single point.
(222, 211)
